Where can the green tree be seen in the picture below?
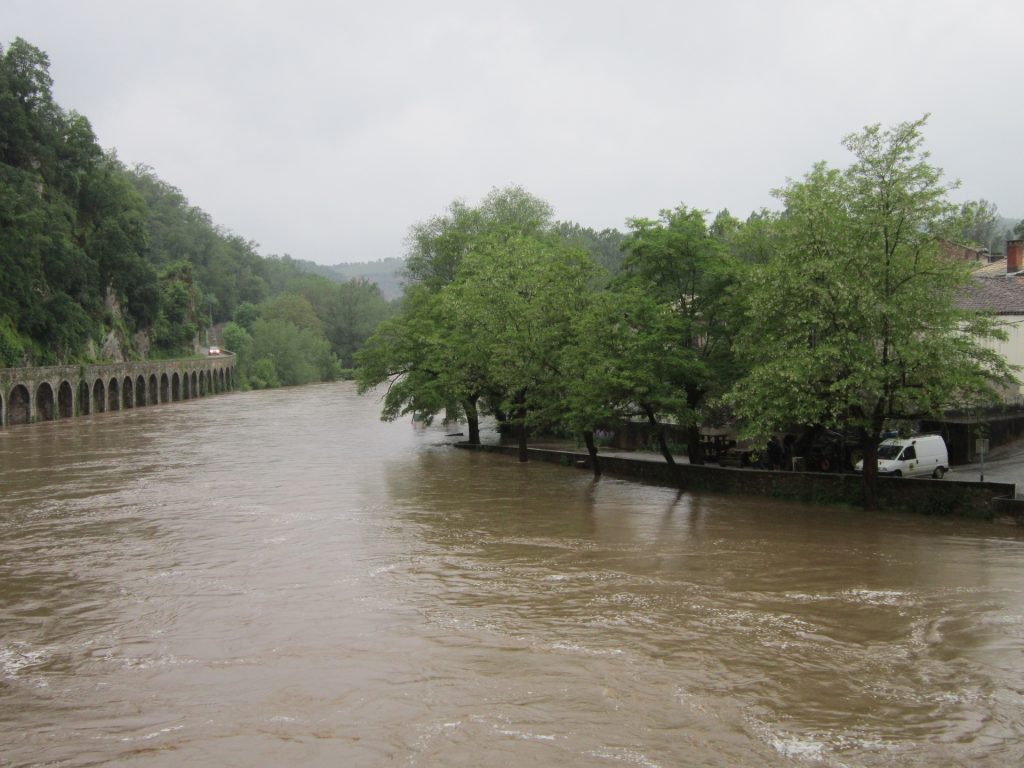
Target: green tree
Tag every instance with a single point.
(176, 322)
(417, 354)
(357, 309)
(854, 320)
(26, 236)
(238, 341)
(513, 307)
(349, 311)
(246, 314)
(114, 234)
(750, 242)
(432, 354)
(293, 308)
(436, 247)
(680, 262)
(981, 225)
(298, 355)
(29, 117)
(629, 358)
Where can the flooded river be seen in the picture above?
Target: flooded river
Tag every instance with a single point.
(278, 578)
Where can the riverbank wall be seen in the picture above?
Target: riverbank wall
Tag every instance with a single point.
(922, 496)
(29, 395)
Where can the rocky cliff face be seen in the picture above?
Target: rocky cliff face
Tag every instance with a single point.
(118, 346)
(112, 348)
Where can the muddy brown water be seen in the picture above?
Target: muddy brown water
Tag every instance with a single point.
(278, 578)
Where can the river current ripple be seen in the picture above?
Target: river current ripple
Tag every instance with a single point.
(277, 578)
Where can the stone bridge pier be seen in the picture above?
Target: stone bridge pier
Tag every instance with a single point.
(28, 395)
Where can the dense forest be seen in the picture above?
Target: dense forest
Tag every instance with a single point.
(102, 262)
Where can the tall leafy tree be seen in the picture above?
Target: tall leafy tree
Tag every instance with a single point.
(680, 262)
(425, 363)
(438, 245)
(981, 225)
(30, 120)
(430, 354)
(513, 307)
(114, 233)
(293, 308)
(177, 322)
(854, 320)
(629, 359)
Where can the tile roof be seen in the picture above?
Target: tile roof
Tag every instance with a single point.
(1002, 295)
(995, 269)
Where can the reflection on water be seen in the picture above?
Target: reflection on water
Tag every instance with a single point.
(278, 577)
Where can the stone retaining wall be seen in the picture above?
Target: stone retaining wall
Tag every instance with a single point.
(925, 496)
(29, 395)
(1010, 511)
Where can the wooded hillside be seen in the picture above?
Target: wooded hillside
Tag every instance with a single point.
(105, 262)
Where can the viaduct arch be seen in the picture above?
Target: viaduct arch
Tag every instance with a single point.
(29, 395)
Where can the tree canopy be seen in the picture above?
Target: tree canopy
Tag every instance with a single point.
(510, 312)
(688, 268)
(840, 312)
(853, 322)
(444, 353)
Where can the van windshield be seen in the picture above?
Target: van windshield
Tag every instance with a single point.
(889, 451)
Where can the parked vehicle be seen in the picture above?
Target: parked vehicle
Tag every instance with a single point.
(825, 450)
(912, 457)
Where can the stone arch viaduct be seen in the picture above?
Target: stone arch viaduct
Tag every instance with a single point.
(28, 395)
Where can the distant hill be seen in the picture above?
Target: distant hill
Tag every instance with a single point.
(385, 273)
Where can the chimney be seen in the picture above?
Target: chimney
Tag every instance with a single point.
(1014, 256)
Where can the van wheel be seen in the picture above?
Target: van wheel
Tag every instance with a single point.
(897, 473)
(938, 473)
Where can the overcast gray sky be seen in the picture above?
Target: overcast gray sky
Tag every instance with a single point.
(325, 129)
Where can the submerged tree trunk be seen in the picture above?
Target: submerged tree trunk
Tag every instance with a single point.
(694, 449)
(524, 453)
(520, 426)
(869, 445)
(505, 425)
(659, 430)
(869, 440)
(472, 419)
(595, 463)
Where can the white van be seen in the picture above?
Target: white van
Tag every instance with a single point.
(912, 457)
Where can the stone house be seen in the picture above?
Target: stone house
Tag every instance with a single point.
(999, 288)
